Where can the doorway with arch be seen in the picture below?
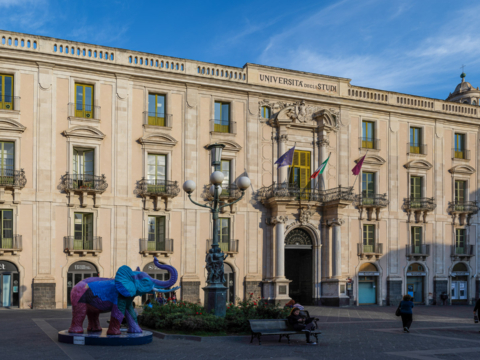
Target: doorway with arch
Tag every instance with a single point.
(416, 274)
(77, 272)
(9, 285)
(367, 284)
(459, 284)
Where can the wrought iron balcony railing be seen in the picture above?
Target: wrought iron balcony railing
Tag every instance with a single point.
(8, 102)
(223, 126)
(11, 242)
(369, 143)
(156, 246)
(468, 207)
(88, 244)
(157, 119)
(418, 250)
(417, 148)
(157, 187)
(12, 178)
(466, 250)
(419, 204)
(84, 182)
(371, 200)
(338, 193)
(288, 190)
(363, 249)
(84, 111)
(460, 154)
(228, 247)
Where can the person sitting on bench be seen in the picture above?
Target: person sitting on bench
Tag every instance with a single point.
(298, 322)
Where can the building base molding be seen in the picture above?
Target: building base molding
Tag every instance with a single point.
(190, 290)
(43, 294)
(334, 293)
(281, 290)
(394, 291)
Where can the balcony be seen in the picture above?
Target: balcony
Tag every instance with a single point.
(369, 143)
(88, 188)
(229, 248)
(223, 126)
(369, 251)
(416, 149)
(420, 252)
(91, 245)
(462, 253)
(155, 189)
(156, 119)
(460, 154)
(9, 103)
(419, 207)
(371, 203)
(463, 209)
(156, 248)
(83, 111)
(11, 245)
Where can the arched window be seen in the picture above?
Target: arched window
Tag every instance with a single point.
(460, 267)
(367, 267)
(416, 267)
(474, 102)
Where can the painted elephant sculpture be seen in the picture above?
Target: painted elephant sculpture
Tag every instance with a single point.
(93, 296)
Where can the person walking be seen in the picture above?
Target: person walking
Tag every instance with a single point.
(476, 311)
(406, 312)
(298, 322)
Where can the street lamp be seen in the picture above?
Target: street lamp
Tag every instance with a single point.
(215, 291)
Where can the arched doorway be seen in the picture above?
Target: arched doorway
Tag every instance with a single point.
(416, 274)
(9, 284)
(229, 282)
(367, 284)
(459, 284)
(76, 273)
(298, 265)
(156, 273)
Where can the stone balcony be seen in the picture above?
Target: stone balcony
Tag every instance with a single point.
(14, 181)
(369, 251)
(371, 203)
(420, 207)
(417, 253)
(229, 248)
(156, 248)
(155, 189)
(83, 189)
(91, 245)
(11, 245)
(464, 210)
(462, 253)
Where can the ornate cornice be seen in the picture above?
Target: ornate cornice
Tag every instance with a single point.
(274, 220)
(336, 222)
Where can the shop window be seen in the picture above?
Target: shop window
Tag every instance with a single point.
(84, 101)
(156, 109)
(156, 233)
(6, 92)
(222, 117)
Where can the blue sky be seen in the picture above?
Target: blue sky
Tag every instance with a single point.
(415, 47)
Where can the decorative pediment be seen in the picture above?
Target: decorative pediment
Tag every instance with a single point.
(84, 131)
(462, 170)
(158, 139)
(373, 159)
(419, 165)
(326, 120)
(229, 145)
(11, 125)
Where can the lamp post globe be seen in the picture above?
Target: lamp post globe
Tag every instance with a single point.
(189, 186)
(243, 183)
(212, 190)
(217, 177)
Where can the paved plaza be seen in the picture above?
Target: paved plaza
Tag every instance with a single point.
(348, 333)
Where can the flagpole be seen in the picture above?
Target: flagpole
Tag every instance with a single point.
(290, 167)
(356, 177)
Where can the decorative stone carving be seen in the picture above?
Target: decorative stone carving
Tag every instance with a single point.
(336, 222)
(323, 142)
(283, 138)
(306, 214)
(298, 237)
(274, 220)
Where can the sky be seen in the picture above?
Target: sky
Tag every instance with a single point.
(409, 46)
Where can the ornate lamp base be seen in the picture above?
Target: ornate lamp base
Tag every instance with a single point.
(216, 299)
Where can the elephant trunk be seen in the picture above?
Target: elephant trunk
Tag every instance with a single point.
(173, 275)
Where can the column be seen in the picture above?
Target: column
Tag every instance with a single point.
(337, 248)
(323, 152)
(280, 245)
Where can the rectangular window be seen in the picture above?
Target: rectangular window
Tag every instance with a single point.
(225, 168)
(84, 101)
(415, 140)
(265, 112)
(368, 188)
(416, 239)
(300, 169)
(83, 231)
(156, 233)
(368, 238)
(224, 234)
(156, 110)
(156, 173)
(415, 190)
(368, 134)
(460, 191)
(6, 222)
(6, 92)
(460, 241)
(84, 168)
(460, 146)
(222, 117)
(7, 162)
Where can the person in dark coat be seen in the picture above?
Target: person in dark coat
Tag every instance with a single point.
(406, 312)
(299, 323)
(444, 298)
(476, 309)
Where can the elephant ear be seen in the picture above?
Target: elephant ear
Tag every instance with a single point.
(124, 281)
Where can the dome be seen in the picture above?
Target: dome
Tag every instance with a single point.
(462, 89)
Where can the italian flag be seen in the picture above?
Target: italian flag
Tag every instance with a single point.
(321, 169)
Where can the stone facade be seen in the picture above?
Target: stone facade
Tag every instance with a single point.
(411, 230)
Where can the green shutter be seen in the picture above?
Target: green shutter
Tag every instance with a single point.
(460, 241)
(368, 238)
(6, 222)
(416, 232)
(83, 231)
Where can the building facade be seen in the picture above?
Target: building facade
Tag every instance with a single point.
(97, 141)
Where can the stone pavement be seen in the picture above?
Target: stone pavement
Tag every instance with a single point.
(348, 333)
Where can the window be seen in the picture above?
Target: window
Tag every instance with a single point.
(156, 110)
(83, 168)
(460, 146)
(83, 231)
(6, 231)
(222, 117)
(417, 239)
(415, 190)
(225, 169)
(7, 161)
(460, 241)
(368, 238)
(368, 134)
(224, 234)
(368, 188)
(300, 169)
(156, 233)
(460, 191)
(415, 140)
(84, 101)
(6, 92)
(156, 172)
(265, 112)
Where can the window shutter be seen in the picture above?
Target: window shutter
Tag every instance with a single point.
(296, 161)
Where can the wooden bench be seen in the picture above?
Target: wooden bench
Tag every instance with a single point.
(279, 327)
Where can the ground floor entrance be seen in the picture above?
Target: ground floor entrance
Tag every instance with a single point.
(76, 273)
(415, 286)
(9, 285)
(367, 284)
(459, 284)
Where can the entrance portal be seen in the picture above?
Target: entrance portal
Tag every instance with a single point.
(298, 266)
(9, 284)
(459, 284)
(367, 284)
(415, 283)
(76, 273)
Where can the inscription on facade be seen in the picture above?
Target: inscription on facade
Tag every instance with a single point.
(296, 83)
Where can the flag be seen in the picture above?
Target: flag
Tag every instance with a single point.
(286, 159)
(321, 169)
(358, 167)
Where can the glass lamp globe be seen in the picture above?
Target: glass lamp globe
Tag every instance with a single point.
(189, 186)
(212, 190)
(243, 183)
(217, 177)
